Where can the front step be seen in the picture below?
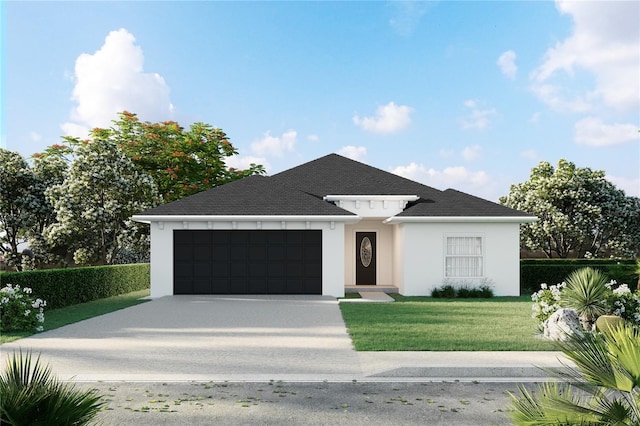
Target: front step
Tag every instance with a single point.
(358, 288)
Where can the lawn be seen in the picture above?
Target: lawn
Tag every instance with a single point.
(58, 317)
(427, 324)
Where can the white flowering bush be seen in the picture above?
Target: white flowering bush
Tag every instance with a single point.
(19, 311)
(620, 300)
(624, 303)
(546, 301)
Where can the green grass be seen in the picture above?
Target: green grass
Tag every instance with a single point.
(74, 313)
(427, 324)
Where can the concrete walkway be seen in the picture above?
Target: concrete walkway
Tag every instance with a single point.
(250, 338)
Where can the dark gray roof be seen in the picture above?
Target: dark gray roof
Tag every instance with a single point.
(337, 175)
(456, 203)
(250, 196)
(299, 191)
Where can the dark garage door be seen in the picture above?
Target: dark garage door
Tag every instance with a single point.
(247, 262)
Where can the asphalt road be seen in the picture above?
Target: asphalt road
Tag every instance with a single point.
(316, 403)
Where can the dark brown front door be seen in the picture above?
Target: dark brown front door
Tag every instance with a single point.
(365, 258)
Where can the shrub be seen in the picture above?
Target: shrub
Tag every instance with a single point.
(31, 395)
(536, 271)
(586, 292)
(624, 303)
(546, 301)
(463, 291)
(19, 311)
(446, 291)
(70, 286)
(602, 389)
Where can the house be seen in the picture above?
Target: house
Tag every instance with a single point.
(326, 226)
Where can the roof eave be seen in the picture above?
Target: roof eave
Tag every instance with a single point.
(461, 219)
(246, 218)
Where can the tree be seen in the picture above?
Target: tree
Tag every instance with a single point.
(16, 204)
(181, 162)
(49, 168)
(580, 213)
(94, 203)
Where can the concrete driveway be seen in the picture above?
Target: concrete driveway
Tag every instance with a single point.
(179, 338)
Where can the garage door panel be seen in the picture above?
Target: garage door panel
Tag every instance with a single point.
(247, 262)
(201, 270)
(183, 252)
(202, 286)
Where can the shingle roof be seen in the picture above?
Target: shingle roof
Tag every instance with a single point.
(299, 191)
(250, 196)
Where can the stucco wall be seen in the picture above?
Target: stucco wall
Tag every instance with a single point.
(423, 248)
(162, 250)
(384, 250)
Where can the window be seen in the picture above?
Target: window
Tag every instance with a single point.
(463, 257)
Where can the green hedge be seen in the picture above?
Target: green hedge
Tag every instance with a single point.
(533, 272)
(70, 286)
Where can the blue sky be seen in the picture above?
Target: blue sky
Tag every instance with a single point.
(468, 95)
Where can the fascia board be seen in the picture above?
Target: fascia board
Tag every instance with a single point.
(244, 218)
(370, 197)
(461, 219)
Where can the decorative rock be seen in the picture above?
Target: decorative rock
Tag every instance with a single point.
(562, 324)
(606, 323)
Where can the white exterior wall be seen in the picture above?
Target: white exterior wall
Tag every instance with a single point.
(162, 250)
(422, 253)
(384, 250)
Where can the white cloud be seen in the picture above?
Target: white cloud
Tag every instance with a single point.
(507, 64)
(357, 153)
(471, 153)
(631, 186)
(604, 42)
(457, 177)
(113, 80)
(446, 153)
(478, 118)
(529, 154)
(275, 145)
(389, 118)
(407, 15)
(243, 162)
(593, 132)
(535, 118)
(313, 138)
(35, 136)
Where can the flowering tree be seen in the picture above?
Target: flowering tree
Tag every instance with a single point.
(94, 203)
(181, 162)
(580, 212)
(16, 200)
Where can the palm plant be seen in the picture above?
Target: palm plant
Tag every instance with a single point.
(586, 292)
(603, 388)
(31, 395)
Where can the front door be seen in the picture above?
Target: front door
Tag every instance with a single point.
(365, 258)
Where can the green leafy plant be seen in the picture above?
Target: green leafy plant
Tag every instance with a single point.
(603, 388)
(31, 395)
(451, 289)
(19, 311)
(546, 301)
(623, 302)
(586, 292)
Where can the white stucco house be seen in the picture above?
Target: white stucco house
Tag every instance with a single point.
(329, 226)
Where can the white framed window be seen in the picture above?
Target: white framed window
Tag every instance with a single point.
(464, 257)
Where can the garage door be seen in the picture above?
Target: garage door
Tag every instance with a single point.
(247, 262)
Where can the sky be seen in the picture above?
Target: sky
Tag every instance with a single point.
(453, 94)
